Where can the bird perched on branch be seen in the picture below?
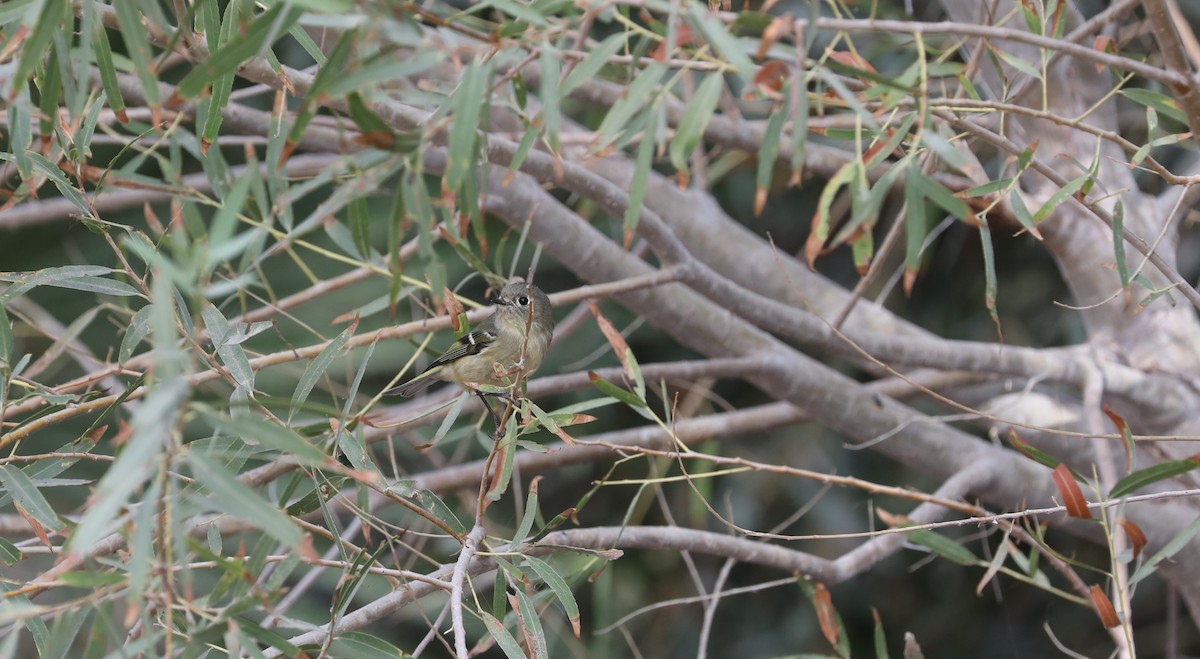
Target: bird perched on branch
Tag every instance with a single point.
(510, 343)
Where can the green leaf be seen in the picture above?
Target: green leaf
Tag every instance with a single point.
(596, 58)
(233, 357)
(1160, 103)
(638, 95)
(9, 553)
(108, 72)
(989, 188)
(725, 44)
(550, 95)
(137, 46)
(941, 196)
(48, 23)
(65, 187)
(237, 499)
(560, 588)
(623, 395)
(438, 508)
(1021, 210)
(1181, 540)
(1118, 234)
(1059, 197)
(503, 638)
(6, 338)
(535, 636)
(257, 430)
(942, 546)
(317, 367)
(695, 119)
(527, 519)
(641, 178)
(26, 495)
(136, 462)
(362, 645)
(1152, 474)
(138, 329)
(467, 102)
(768, 152)
(881, 651)
(250, 42)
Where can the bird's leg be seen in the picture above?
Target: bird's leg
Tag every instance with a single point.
(499, 431)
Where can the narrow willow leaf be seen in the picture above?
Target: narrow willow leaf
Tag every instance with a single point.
(233, 357)
(596, 58)
(434, 505)
(821, 227)
(1059, 197)
(26, 495)
(1118, 233)
(989, 272)
(641, 178)
(695, 119)
(769, 151)
(638, 96)
(20, 127)
(1021, 211)
(527, 519)
(1181, 540)
(108, 72)
(1161, 103)
(989, 188)
(50, 91)
(251, 41)
(942, 546)
(530, 623)
(317, 367)
(137, 46)
(10, 554)
(1152, 474)
(222, 85)
(559, 586)
(502, 636)
(359, 219)
(64, 186)
(141, 541)
(56, 276)
(257, 430)
(137, 330)
(716, 34)
(467, 101)
(47, 24)
(360, 645)
(6, 338)
(237, 499)
(941, 196)
(134, 464)
(451, 416)
(550, 95)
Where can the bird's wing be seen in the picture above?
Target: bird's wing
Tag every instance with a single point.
(472, 343)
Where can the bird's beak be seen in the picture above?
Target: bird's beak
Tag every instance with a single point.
(497, 300)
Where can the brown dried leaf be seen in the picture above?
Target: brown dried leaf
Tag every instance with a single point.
(455, 309)
(780, 27)
(1104, 608)
(614, 337)
(826, 614)
(1136, 537)
(1072, 496)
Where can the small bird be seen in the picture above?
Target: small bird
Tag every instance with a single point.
(513, 340)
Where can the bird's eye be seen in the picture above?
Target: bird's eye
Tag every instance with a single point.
(522, 300)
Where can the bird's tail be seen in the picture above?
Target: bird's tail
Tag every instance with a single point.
(412, 386)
